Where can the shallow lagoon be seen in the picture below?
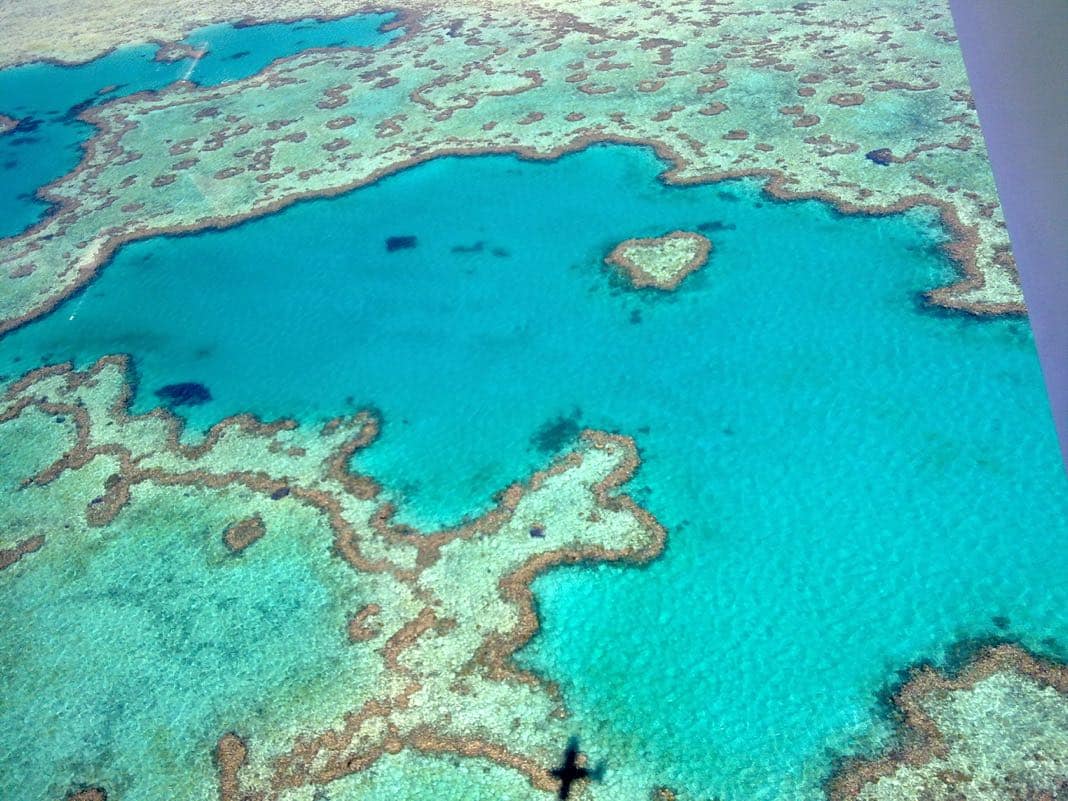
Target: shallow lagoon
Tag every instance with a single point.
(850, 483)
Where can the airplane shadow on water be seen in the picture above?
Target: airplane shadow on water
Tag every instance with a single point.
(574, 769)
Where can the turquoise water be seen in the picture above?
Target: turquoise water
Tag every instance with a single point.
(47, 98)
(124, 662)
(850, 483)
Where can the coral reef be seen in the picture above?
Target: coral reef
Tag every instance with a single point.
(540, 83)
(998, 730)
(661, 261)
(449, 607)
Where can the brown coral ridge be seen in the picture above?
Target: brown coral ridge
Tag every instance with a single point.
(496, 653)
(920, 739)
(7, 124)
(87, 794)
(243, 533)
(399, 552)
(627, 256)
(230, 754)
(178, 51)
(9, 556)
(359, 629)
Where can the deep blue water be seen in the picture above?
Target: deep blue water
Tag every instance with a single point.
(850, 483)
(47, 98)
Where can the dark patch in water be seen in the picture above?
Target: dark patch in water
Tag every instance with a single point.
(537, 531)
(1000, 621)
(1054, 647)
(186, 393)
(26, 140)
(279, 493)
(500, 253)
(635, 316)
(400, 243)
(555, 434)
(72, 113)
(478, 247)
(724, 194)
(10, 165)
(882, 156)
(239, 54)
(716, 225)
(26, 125)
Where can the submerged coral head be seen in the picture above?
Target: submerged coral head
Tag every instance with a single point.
(400, 243)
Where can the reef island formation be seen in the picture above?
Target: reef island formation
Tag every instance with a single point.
(867, 108)
(662, 261)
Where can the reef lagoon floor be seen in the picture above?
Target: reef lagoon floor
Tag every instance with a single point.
(828, 481)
